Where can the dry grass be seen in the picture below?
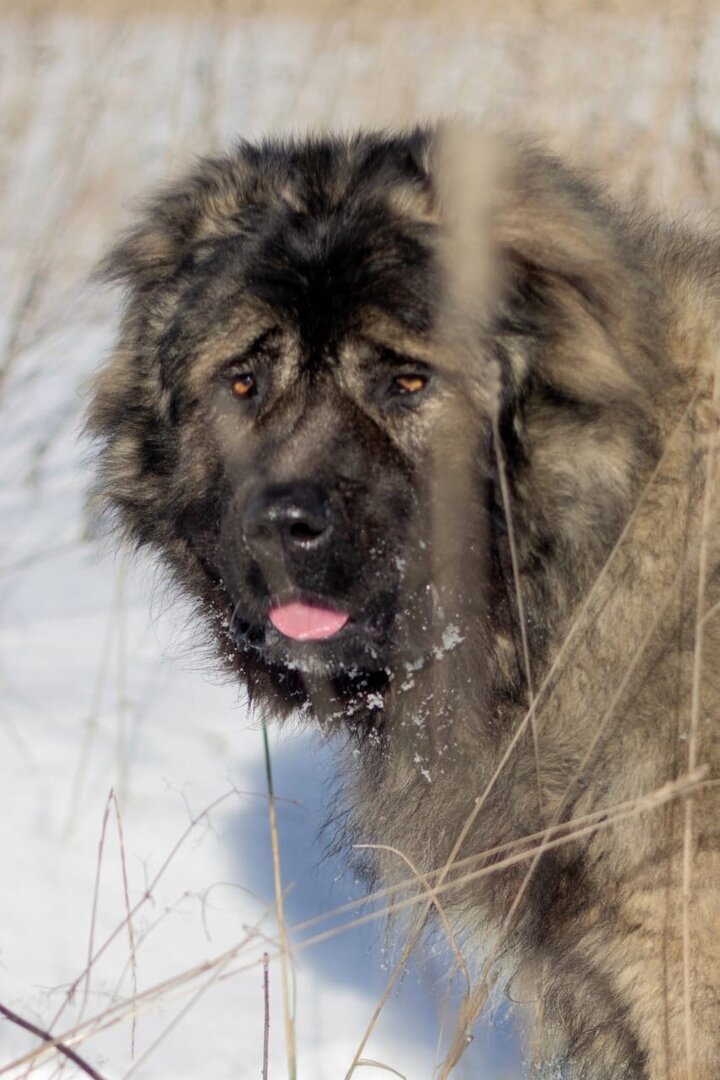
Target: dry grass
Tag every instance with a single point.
(251, 950)
(462, 10)
(544, 64)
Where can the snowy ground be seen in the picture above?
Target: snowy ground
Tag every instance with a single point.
(100, 688)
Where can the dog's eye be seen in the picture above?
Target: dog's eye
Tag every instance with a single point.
(242, 385)
(409, 384)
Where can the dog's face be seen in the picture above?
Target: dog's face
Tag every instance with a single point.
(292, 413)
(330, 460)
(288, 423)
(305, 361)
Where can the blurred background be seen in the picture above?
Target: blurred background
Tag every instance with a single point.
(107, 712)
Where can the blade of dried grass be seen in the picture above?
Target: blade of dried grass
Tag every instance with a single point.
(128, 914)
(469, 175)
(94, 908)
(708, 496)
(573, 824)
(266, 1015)
(288, 1012)
(121, 666)
(372, 1064)
(522, 619)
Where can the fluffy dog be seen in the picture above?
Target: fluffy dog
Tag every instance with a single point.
(468, 521)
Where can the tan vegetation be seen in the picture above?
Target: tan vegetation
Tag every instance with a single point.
(94, 109)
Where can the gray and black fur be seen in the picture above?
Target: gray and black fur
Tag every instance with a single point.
(315, 269)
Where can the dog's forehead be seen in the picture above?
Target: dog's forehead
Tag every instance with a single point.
(320, 260)
(323, 280)
(234, 326)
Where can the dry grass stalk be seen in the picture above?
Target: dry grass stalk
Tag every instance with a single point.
(372, 1064)
(522, 618)
(128, 916)
(709, 495)
(470, 171)
(121, 666)
(266, 1015)
(288, 1012)
(94, 908)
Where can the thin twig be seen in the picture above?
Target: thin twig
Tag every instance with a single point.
(121, 696)
(94, 909)
(128, 915)
(288, 1012)
(266, 1013)
(61, 1048)
(522, 617)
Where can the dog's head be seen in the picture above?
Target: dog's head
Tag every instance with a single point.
(290, 422)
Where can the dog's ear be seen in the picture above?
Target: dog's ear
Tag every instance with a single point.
(534, 251)
(572, 281)
(203, 205)
(149, 251)
(404, 174)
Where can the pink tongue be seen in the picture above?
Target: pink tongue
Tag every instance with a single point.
(307, 622)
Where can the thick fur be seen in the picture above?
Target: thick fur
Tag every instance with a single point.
(585, 377)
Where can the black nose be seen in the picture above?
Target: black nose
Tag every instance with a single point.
(297, 514)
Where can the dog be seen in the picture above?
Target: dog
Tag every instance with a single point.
(467, 524)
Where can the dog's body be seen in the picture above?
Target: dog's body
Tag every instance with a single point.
(414, 535)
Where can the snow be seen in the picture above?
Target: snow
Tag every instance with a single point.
(102, 688)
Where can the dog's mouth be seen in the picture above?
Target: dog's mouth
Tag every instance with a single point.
(300, 620)
(312, 633)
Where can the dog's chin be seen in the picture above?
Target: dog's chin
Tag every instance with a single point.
(353, 649)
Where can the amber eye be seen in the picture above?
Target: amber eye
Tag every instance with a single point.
(243, 385)
(410, 384)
